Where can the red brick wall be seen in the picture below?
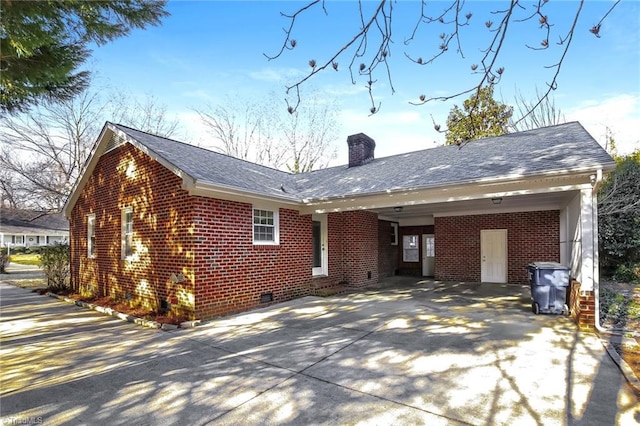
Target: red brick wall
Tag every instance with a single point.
(353, 250)
(232, 273)
(531, 236)
(413, 268)
(206, 240)
(387, 253)
(126, 177)
(360, 247)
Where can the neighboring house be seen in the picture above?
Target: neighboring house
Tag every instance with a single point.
(28, 228)
(207, 235)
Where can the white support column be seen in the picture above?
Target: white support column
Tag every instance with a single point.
(589, 237)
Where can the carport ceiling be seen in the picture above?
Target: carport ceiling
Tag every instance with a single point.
(546, 201)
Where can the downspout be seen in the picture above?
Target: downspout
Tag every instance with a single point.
(596, 180)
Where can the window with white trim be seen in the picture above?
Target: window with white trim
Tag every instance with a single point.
(411, 248)
(127, 233)
(91, 235)
(265, 226)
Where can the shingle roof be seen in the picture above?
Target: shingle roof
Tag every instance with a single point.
(555, 149)
(32, 222)
(209, 166)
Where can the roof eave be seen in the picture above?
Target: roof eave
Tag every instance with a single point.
(554, 174)
(213, 190)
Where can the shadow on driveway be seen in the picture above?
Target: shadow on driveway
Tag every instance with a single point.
(404, 352)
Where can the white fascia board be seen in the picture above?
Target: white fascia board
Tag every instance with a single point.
(445, 194)
(222, 192)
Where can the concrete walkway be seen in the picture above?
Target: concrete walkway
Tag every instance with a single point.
(403, 353)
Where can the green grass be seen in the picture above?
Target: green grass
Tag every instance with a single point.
(26, 259)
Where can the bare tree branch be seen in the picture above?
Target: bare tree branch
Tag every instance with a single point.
(373, 40)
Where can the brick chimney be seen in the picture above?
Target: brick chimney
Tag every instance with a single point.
(361, 149)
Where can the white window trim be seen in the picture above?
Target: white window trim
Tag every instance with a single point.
(276, 226)
(123, 236)
(91, 232)
(394, 241)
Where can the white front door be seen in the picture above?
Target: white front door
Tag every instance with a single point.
(320, 246)
(428, 255)
(493, 253)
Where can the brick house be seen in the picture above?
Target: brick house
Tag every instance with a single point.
(201, 233)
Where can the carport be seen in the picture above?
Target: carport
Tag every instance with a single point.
(487, 224)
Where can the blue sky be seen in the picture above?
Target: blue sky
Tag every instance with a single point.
(207, 51)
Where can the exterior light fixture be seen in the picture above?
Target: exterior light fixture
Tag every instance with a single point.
(496, 200)
(397, 209)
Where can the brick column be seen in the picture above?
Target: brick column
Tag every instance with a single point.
(583, 307)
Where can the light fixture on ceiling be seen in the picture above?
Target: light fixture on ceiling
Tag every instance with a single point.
(496, 200)
(397, 209)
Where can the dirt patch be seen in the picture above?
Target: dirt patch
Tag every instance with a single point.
(125, 308)
(620, 315)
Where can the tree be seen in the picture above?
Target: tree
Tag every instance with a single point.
(147, 114)
(532, 116)
(300, 141)
(44, 152)
(370, 46)
(481, 117)
(244, 130)
(619, 216)
(43, 44)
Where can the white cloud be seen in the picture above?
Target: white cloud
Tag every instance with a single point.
(620, 114)
(275, 75)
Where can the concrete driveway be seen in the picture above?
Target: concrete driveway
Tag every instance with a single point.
(405, 352)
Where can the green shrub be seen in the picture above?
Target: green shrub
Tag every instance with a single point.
(55, 263)
(4, 259)
(34, 250)
(629, 273)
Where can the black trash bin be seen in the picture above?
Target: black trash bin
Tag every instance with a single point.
(549, 282)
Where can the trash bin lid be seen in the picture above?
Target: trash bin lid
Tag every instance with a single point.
(548, 265)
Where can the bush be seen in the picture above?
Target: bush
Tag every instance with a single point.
(4, 259)
(629, 273)
(55, 263)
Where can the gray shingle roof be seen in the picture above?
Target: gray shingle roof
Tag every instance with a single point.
(554, 149)
(32, 222)
(212, 167)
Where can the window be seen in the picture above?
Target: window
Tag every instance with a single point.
(394, 234)
(430, 246)
(127, 233)
(17, 239)
(410, 248)
(265, 227)
(91, 235)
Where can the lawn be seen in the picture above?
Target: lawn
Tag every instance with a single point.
(26, 259)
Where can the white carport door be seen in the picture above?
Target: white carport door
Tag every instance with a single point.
(493, 252)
